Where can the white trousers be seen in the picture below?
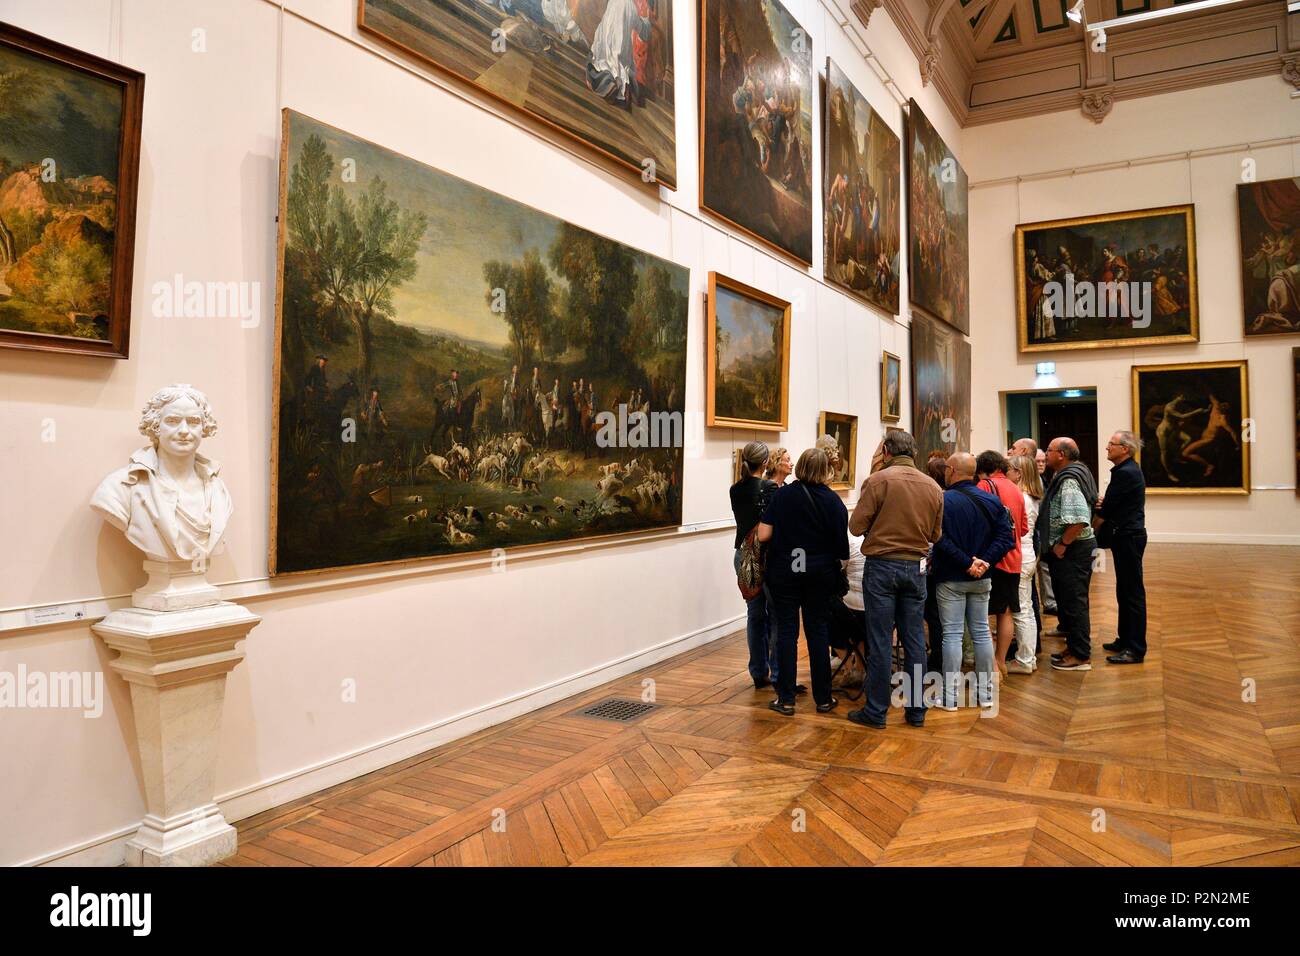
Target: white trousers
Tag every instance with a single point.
(1026, 630)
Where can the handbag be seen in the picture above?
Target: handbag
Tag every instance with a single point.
(753, 558)
(840, 577)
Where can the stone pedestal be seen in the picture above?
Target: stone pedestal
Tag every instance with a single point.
(176, 663)
(175, 586)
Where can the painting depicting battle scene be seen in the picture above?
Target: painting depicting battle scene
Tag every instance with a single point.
(937, 222)
(600, 71)
(457, 372)
(940, 388)
(1269, 215)
(1191, 419)
(756, 97)
(862, 183)
(1118, 279)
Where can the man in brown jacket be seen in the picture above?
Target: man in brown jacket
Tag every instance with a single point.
(900, 512)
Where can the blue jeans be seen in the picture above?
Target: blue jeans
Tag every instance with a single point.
(760, 632)
(893, 592)
(968, 602)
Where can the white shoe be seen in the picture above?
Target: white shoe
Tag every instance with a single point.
(948, 707)
(1015, 667)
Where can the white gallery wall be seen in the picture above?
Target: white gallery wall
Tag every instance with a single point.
(436, 649)
(1220, 127)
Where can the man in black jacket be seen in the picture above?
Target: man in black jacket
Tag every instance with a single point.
(1121, 520)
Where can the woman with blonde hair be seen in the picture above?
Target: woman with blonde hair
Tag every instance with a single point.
(778, 466)
(806, 528)
(1023, 472)
(749, 499)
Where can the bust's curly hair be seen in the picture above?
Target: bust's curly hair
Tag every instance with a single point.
(151, 414)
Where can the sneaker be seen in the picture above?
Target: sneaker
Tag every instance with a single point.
(947, 707)
(1071, 663)
(860, 717)
(1016, 667)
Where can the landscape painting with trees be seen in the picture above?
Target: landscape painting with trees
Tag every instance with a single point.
(748, 357)
(458, 372)
(69, 150)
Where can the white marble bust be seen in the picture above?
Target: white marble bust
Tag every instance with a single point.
(169, 500)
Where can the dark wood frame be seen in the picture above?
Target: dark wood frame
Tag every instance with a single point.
(812, 107)
(128, 172)
(1187, 211)
(711, 418)
(670, 183)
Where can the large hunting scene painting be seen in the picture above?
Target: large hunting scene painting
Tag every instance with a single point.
(756, 99)
(747, 357)
(600, 71)
(457, 372)
(1269, 214)
(1118, 279)
(69, 154)
(938, 214)
(862, 184)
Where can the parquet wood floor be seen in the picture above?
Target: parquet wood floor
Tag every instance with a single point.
(1190, 759)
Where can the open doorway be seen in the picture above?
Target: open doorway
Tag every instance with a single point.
(1045, 415)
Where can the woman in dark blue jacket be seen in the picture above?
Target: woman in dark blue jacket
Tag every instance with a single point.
(806, 528)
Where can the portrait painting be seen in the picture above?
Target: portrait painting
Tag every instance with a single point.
(597, 71)
(69, 161)
(1119, 279)
(747, 360)
(457, 372)
(891, 387)
(940, 388)
(844, 430)
(1269, 219)
(756, 100)
(862, 182)
(1191, 419)
(938, 244)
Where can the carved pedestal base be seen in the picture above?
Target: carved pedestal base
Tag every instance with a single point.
(174, 586)
(176, 663)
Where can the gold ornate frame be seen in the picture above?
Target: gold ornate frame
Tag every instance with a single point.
(1187, 210)
(884, 400)
(711, 418)
(1240, 365)
(849, 454)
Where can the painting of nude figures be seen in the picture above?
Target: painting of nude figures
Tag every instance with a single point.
(1191, 419)
(598, 71)
(940, 388)
(938, 246)
(756, 99)
(1269, 215)
(747, 357)
(862, 182)
(69, 165)
(1117, 279)
(457, 372)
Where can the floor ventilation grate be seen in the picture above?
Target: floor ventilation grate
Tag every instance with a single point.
(617, 709)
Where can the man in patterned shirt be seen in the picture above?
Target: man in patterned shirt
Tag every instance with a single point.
(1064, 536)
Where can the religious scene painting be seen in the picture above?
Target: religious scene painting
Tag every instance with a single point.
(747, 371)
(69, 155)
(457, 372)
(756, 99)
(1269, 216)
(940, 388)
(600, 71)
(844, 429)
(891, 387)
(1191, 420)
(862, 181)
(937, 224)
(1119, 279)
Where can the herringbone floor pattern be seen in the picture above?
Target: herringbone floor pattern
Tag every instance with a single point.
(1192, 758)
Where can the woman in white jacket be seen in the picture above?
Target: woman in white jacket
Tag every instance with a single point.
(1022, 470)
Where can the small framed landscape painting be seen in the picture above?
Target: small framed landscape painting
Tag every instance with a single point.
(844, 430)
(69, 159)
(1269, 215)
(1119, 279)
(747, 375)
(1190, 418)
(891, 387)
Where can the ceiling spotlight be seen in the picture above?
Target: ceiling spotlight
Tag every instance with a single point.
(1076, 12)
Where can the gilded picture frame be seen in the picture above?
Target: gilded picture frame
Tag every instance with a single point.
(844, 429)
(891, 406)
(731, 401)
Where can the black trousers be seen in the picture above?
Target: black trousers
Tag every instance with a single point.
(1071, 576)
(809, 593)
(1130, 592)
